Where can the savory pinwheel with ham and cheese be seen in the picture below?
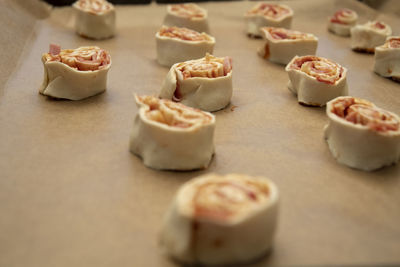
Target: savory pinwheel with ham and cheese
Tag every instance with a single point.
(221, 220)
(187, 15)
(175, 44)
(364, 38)
(316, 80)
(361, 135)
(75, 73)
(95, 19)
(204, 83)
(171, 136)
(281, 44)
(342, 21)
(387, 58)
(267, 15)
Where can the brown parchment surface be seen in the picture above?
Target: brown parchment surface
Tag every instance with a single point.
(71, 194)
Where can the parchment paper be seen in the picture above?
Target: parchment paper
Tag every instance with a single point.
(71, 193)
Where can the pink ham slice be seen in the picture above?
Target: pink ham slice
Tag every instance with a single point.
(54, 49)
(227, 65)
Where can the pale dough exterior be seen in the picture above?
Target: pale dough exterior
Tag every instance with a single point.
(359, 147)
(387, 60)
(194, 23)
(282, 51)
(247, 236)
(340, 29)
(365, 37)
(256, 21)
(208, 94)
(167, 147)
(94, 26)
(173, 50)
(312, 92)
(62, 81)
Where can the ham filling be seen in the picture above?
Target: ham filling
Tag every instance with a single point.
(86, 58)
(379, 25)
(173, 114)
(222, 200)
(344, 16)
(365, 113)
(323, 70)
(187, 11)
(207, 67)
(94, 6)
(285, 34)
(183, 34)
(393, 42)
(273, 11)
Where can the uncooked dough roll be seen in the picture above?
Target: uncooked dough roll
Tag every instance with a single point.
(316, 80)
(387, 58)
(176, 44)
(216, 219)
(95, 19)
(189, 15)
(282, 45)
(342, 21)
(361, 135)
(264, 14)
(204, 83)
(75, 73)
(172, 136)
(364, 38)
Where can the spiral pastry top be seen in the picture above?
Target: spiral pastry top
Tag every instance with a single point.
(365, 114)
(319, 68)
(207, 67)
(94, 6)
(225, 199)
(392, 42)
(171, 114)
(85, 58)
(190, 11)
(270, 11)
(183, 34)
(344, 16)
(286, 34)
(212, 217)
(361, 135)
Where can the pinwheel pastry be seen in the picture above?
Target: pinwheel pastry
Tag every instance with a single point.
(342, 21)
(364, 38)
(216, 219)
(387, 58)
(172, 136)
(189, 15)
(95, 19)
(316, 80)
(75, 73)
(361, 135)
(264, 15)
(204, 83)
(282, 45)
(180, 44)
